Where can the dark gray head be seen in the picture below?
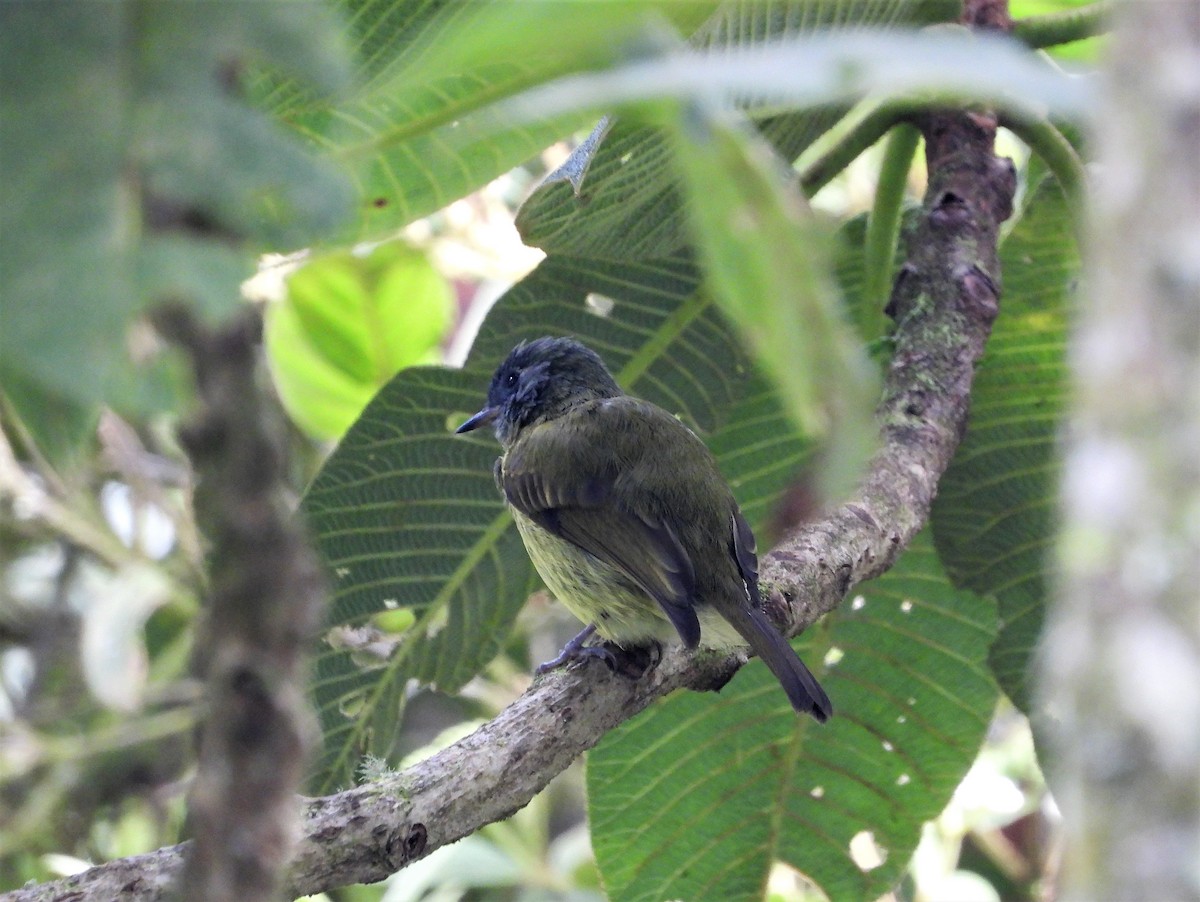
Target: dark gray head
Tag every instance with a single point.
(540, 380)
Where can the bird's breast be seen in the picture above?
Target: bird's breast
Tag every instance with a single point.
(595, 592)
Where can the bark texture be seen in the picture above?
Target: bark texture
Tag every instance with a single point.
(1121, 659)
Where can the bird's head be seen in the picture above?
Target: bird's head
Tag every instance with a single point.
(541, 380)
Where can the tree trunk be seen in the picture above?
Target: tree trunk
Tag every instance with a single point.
(1121, 658)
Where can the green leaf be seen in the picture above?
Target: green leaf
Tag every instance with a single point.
(135, 173)
(429, 72)
(618, 197)
(199, 146)
(63, 307)
(698, 796)
(994, 515)
(348, 324)
(766, 264)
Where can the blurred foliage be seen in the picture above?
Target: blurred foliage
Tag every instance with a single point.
(135, 172)
(1080, 50)
(747, 220)
(153, 150)
(349, 322)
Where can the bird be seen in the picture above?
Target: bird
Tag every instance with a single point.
(626, 516)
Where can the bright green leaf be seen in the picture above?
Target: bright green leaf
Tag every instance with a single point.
(348, 324)
(394, 621)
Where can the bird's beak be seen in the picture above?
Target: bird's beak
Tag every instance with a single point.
(483, 418)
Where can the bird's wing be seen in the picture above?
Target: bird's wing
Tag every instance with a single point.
(557, 478)
(745, 553)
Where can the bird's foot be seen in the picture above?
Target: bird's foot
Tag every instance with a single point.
(575, 650)
(630, 662)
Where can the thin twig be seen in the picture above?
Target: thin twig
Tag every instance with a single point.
(883, 225)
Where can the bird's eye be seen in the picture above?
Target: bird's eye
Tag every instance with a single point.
(510, 379)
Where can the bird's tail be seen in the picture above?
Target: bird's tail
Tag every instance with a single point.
(802, 688)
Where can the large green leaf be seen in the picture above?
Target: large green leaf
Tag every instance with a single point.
(428, 71)
(134, 172)
(407, 518)
(994, 516)
(697, 797)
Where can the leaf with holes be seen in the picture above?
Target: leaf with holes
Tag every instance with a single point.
(994, 515)
(698, 796)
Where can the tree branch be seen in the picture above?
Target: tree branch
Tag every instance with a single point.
(944, 302)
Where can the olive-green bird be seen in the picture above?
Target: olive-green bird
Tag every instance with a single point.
(626, 516)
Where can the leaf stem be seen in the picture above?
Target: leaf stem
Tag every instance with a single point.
(883, 224)
(1064, 26)
(1049, 143)
(866, 122)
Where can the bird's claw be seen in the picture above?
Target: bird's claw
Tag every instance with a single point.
(582, 653)
(573, 650)
(628, 662)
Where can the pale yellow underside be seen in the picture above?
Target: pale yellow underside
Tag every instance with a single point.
(597, 593)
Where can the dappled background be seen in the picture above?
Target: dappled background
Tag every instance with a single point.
(378, 242)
